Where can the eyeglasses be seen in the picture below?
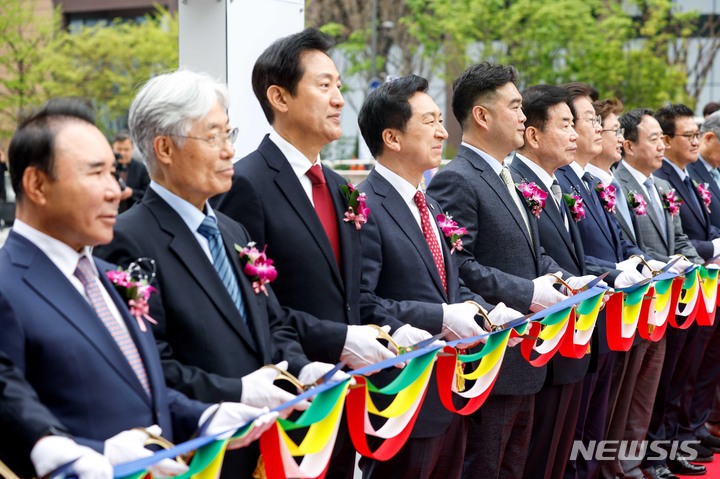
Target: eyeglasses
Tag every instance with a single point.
(691, 136)
(217, 141)
(618, 131)
(594, 120)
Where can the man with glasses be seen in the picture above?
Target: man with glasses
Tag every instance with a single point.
(661, 236)
(216, 324)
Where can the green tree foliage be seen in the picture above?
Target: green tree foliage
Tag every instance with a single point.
(108, 63)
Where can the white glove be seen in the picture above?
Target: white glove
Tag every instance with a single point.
(232, 415)
(501, 314)
(654, 264)
(629, 264)
(130, 445)
(362, 347)
(459, 322)
(258, 389)
(315, 370)
(545, 294)
(408, 335)
(680, 266)
(716, 246)
(628, 278)
(577, 282)
(51, 452)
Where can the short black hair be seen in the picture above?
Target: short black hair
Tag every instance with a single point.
(579, 89)
(122, 135)
(280, 65)
(479, 82)
(33, 144)
(388, 107)
(630, 121)
(668, 115)
(711, 108)
(537, 100)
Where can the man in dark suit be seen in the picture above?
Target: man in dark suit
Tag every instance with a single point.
(662, 238)
(402, 127)
(64, 324)
(30, 430)
(550, 143)
(131, 173)
(685, 348)
(478, 191)
(215, 328)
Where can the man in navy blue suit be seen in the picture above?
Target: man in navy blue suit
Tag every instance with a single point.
(64, 325)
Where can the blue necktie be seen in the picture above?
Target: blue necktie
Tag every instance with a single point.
(209, 230)
(716, 176)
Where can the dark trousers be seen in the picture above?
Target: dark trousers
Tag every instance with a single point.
(706, 386)
(592, 417)
(553, 430)
(499, 437)
(342, 462)
(438, 457)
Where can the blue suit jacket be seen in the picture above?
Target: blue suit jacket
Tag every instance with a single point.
(695, 220)
(54, 336)
(699, 173)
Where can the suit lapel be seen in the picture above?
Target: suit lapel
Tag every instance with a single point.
(675, 181)
(494, 181)
(399, 211)
(189, 253)
(48, 282)
(705, 177)
(590, 205)
(296, 197)
(631, 185)
(345, 230)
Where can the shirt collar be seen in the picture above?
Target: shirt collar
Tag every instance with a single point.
(579, 171)
(404, 188)
(192, 216)
(298, 162)
(681, 173)
(705, 163)
(638, 175)
(495, 164)
(62, 255)
(602, 175)
(542, 174)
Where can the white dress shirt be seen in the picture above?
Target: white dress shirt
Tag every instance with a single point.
(299, 162)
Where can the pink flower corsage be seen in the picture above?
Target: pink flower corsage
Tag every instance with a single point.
(136, 293)
(575, 203)
(607, 195)
(534, 196)
(672, 202)
(451, 229)
(357, 212)
(257, 266)
(637, 203)
(704, 191)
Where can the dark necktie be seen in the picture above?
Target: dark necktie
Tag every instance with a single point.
(590, 183)
(324, 208)
(691, 192)
(209, 230)
(86, 275)
(429, 233)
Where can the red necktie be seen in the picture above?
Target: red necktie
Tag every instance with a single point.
(427, 229)
(324, 208)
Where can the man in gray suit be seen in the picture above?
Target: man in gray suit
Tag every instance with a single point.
(661, 236)
(476, 188)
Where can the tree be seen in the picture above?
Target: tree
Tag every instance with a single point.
(108, 63)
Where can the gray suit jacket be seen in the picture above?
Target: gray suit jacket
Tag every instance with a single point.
(660, 245)
(499, 259)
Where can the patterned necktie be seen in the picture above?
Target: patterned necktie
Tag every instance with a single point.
(650, 185)
(507, 179)
(557, 194)
(324, 207)
(429, 233)
(86, 275)
(209, 230)
(693, 196)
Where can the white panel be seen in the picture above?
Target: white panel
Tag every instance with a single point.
(203, 41)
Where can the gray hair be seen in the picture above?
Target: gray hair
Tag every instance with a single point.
(712, 123)
(168, 104)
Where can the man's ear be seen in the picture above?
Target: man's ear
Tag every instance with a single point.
(532, 137)
(35, 183)
(666, 140)
(481, 116)
(277, 96)
(164, 146)
(391, 139)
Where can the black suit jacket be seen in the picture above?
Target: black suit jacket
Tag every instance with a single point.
(565, 247)
(699, 173)
(695, 219)
(137, 179)
(401, 283)
(499, 259)
(268, 199)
